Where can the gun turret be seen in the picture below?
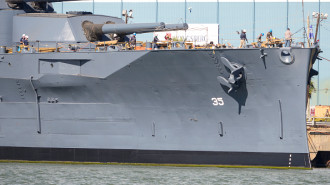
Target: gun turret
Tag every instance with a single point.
(94, 32)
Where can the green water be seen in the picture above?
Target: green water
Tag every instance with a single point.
(21, 173)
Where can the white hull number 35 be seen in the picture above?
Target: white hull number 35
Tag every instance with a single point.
(217, 101)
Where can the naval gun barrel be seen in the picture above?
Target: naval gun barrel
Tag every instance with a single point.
(173, 27)
(132, 28)
(94, 32)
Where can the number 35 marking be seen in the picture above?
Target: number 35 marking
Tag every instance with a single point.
(217, 101)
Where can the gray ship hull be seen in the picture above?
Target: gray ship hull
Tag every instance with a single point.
(160, 106)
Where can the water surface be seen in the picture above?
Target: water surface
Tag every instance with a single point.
(27, 173)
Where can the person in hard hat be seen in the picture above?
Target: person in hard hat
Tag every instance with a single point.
(21, 42)
(288, 38)
(132, 41)
(259, 39)
(26, 40)
(22, 39)
(243, 39)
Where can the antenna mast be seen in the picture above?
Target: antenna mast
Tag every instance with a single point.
(303, 11)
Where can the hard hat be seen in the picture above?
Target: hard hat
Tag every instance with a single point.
(27, 36)
(244, 30)
(262, 34)
(270, 30)
(134, 34)
(311, 26)
(23, 35)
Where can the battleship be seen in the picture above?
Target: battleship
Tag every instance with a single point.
(76, 94)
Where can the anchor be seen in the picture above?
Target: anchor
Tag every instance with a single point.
(236, 76)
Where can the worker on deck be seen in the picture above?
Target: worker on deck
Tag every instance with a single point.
(22, 39)
(311, 34)
(155, 41)
(288, 38)
(26, 41)
(210, 45)
(259, 39)
(168, 37)
(132, 41)
(243, 39)
(269, 36)
(156, 38)
(21, 42)
(115, 37)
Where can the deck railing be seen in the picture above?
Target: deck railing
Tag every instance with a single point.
(318, 121)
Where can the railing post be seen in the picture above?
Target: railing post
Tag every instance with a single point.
(38, 46)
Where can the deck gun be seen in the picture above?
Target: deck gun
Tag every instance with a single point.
(94, 32)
